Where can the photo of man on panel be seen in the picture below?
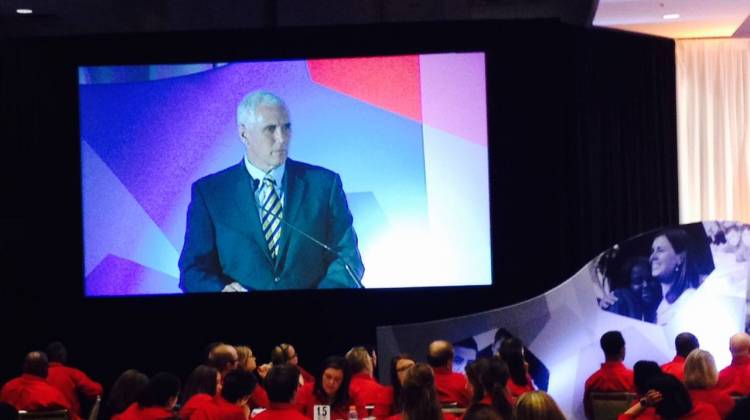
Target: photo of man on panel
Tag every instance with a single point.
(268, 222)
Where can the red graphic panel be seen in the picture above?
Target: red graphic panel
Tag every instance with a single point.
(391, 83)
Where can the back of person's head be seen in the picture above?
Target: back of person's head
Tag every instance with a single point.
(125, 390)
(613, 345)
(35, 363)
(8, 412)
(341, 397)
(675, 399)
(482, 412)
(700, 370)
(281, 382)
(280, 354)
(56, 352)
(537, 405)
(440, 354)
(223, 357)
(511, 351)
(238, 385)
(489, 376)
(643, 372)
(418, 396)
(739, 344)
(358, 359)
(399, 365)
(162, 390)
(202, 380)
(684, 343)
(210, 349)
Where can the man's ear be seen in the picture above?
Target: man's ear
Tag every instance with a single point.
(241, 131)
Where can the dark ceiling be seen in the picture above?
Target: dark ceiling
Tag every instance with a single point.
(54, 17)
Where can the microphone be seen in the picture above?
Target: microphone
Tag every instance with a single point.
(347, 267)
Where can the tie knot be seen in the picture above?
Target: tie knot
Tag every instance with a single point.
(269, 182)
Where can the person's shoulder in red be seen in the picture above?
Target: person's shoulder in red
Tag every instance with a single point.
(722, 402)
(259, 398)
(304, 399)
(516, 390)
(676, 367)
(136, 412)
(364, 389)
(218, 409)
(280, 412)
(195, 403)
(384, 405)
(701, 411)
(451, 387)
(30, 392)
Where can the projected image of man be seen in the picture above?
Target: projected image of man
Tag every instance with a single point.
(269, 222)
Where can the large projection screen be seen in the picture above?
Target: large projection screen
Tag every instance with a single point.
(406, 134)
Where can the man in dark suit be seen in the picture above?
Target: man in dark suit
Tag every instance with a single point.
(268, 223)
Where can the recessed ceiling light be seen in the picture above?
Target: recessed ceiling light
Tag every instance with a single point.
(24, 11)
(671, 16)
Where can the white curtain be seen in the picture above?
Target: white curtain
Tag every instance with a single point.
(713, 129)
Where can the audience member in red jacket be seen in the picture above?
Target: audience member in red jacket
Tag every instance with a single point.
(669, 399)
(69, 381)
(512, 352)
(331, 389)
(390, 400)
(31, 391)
(684, 343)
(248, 363)
(701, 378)
(364, 389)
(156, 401)
(487, 384)
(451, 386)
(735, 378)
(231, 403)
(285, 353)
(282, 383)
(613, 375)
(420, 398)
(203, 384)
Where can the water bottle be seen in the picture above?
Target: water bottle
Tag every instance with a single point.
(352, 413)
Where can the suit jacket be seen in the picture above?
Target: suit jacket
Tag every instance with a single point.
(224, 241)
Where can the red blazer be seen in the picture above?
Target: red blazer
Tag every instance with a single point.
(719, 399)
(218, 409)
(365, 390)
(612, 377)
(259, 398)
(676, 367)
(70, 382)
(700, 411)
(306, 376)
(195, 403)
(281, 412)
(33, 393)
(451, 387)
(385, 406)
(517, 390)
(735, 378)
(135, 412)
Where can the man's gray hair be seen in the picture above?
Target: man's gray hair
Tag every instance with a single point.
(246, 109)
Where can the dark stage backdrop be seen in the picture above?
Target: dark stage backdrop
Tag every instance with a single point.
(582, 155)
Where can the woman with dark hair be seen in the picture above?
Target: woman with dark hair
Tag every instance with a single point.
(667, 398)
(156, 401)
(643, 372)
(487, 382)
(124, 392)
(641, 294)
(672, 267)
(390, 403)
(511, 351)
(203, 384)
(419, 397)
(330, 389)
(483, 412)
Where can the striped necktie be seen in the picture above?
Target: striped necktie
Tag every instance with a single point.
(271, 216)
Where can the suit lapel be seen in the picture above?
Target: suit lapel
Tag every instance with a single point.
(244, 199)
(293, 197)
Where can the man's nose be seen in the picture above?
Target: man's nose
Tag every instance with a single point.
(280, 136)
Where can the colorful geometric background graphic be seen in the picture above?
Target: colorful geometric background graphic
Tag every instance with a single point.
(409, 142)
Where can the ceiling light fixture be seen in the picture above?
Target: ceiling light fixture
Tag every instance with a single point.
(671, 16)
(24, 11)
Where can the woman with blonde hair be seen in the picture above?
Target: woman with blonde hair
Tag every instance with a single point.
(701, 377)
(537, 405)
